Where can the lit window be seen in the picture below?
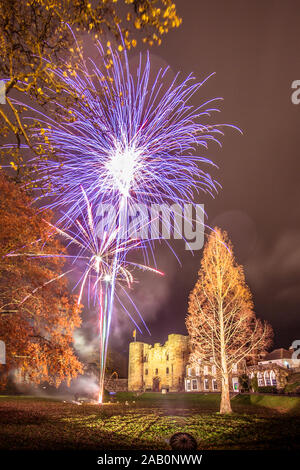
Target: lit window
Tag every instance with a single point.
(260, 381)
(267, 378)
(234, 367)
(273, 378)
(235, 384)
(189, 371)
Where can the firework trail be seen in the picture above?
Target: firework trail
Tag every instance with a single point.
(127, 139)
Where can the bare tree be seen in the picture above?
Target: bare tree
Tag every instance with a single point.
(220, 321)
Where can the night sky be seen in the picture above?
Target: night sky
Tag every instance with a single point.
(254, 48)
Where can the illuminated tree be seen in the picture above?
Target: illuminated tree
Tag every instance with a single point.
(221, 323)
(37, 316)
(36, 37)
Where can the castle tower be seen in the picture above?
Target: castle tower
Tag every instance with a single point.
(160, 366)
(178, 346)
(136, 367)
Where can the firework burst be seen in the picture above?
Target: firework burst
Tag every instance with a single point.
(127, 136)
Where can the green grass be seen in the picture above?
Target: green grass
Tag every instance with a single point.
(169, 398)
(258, 422)
(279, 403)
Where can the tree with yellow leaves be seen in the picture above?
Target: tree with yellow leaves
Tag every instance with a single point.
(36, 36)
(221, 322)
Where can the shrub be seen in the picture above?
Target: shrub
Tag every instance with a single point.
(292, 387)
(244, 383)
(254, 384)
(267, 389)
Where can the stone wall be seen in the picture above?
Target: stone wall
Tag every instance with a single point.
(116, 385)
(159, 366)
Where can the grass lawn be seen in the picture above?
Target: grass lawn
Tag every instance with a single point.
(148, 421)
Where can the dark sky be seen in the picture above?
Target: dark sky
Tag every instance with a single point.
(254, 48)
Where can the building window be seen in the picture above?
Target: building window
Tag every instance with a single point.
(213, 370)
(167, 357)
(188, 385)
(206, 384)
(145, 359)
(146, 371)
(273, 378)
(156, 371)
(260, 381)
(189, 371)
(194, 384)
(197, 370)
(267, 378)
(205, 370)
(235, 384)
(234, 367)
(215, 384)
(167, 370)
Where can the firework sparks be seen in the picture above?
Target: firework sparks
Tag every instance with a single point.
(129, 137)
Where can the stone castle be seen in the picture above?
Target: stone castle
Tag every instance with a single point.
(158, 367)
(166, 368)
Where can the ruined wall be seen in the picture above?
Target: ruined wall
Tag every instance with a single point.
(159, 366)
(116, 385)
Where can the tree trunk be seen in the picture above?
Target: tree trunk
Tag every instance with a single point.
(225, 406)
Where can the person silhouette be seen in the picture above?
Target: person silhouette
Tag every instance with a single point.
(183, 441)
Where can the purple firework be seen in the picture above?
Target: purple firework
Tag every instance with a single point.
(130, 138)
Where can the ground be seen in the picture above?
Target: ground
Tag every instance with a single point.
(148, 421)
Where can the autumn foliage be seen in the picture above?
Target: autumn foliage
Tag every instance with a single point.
(37, 36)
(37, 315)
(221, 322)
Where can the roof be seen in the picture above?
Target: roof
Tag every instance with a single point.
(262, 367)
(280, 353)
